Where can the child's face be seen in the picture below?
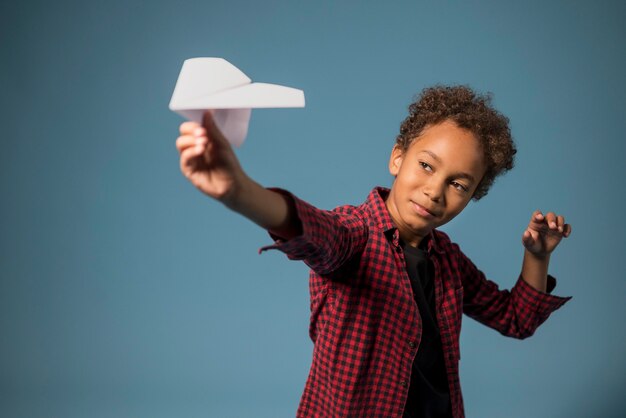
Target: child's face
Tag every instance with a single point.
(435, 179)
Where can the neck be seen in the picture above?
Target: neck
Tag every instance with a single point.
(413, 240)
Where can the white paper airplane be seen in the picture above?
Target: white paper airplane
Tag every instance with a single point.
(215, 84)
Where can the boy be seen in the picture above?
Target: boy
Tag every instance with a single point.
(387, 288)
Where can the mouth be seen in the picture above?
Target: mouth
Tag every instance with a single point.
(423, 211)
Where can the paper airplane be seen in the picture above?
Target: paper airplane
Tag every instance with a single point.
(215, 84)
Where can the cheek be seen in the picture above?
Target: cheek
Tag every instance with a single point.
(410, 177)
(401, 182)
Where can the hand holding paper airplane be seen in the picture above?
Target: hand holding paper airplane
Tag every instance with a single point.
(216, 85)
(208, 160)
(210, 164)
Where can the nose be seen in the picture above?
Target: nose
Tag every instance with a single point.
(434, 189)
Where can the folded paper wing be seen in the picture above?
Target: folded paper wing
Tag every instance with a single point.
(215, 84)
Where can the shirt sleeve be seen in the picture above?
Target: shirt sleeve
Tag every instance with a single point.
(328, 240)
(516, 313)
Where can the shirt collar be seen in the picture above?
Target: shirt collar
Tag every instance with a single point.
(378, 210)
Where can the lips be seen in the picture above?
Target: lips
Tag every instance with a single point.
(423, 211)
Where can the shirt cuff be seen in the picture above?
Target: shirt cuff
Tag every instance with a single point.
(296, 248)
(540, 302)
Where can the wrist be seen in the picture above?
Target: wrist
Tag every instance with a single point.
(240, 188)
(539, 257)
(535, 270)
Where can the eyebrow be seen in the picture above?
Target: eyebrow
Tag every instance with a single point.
(432, 154)
(456, 175)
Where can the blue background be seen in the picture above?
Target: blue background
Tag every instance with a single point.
(124, 292)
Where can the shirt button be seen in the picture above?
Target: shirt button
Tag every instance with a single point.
(412, 344)
(403, 383)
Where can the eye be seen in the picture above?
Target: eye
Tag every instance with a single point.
(425, 166)
(459, 186)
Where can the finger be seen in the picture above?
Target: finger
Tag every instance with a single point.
(551, 220)
(188, 159)
(185, 141)
(567, 230)
(186, 128)
(560, 221)
(537, 221)
(537, 217)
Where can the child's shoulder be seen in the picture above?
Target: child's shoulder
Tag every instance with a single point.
(442, 238)
(372, 206)
(444, 244)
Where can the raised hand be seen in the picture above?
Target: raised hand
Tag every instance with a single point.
(544, 233)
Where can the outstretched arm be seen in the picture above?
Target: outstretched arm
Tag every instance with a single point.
(209, 162)
(543, 235)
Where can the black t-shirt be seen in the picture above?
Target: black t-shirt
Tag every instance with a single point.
(429, 394)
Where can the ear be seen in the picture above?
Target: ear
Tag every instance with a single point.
(395, 161)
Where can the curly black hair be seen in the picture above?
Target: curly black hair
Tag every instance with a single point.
(470, 111)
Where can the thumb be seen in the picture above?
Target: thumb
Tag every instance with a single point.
(527, 238)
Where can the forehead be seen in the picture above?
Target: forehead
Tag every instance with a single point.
(452, 146)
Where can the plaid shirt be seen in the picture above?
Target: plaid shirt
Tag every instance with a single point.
(365, 324)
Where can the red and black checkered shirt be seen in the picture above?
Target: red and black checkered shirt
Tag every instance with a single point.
(365, 324)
